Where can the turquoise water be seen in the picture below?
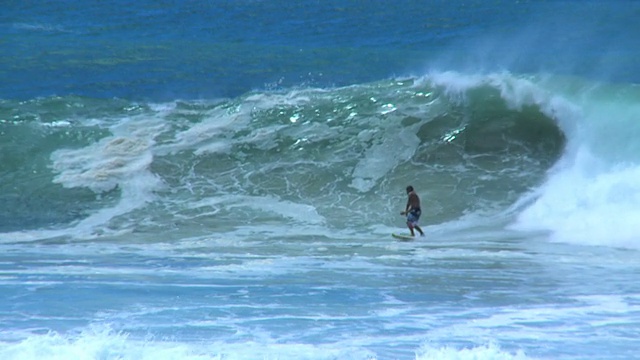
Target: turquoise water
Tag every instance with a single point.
(190, 180)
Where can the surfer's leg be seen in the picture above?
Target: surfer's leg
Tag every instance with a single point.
(412, 222)
(412, 219)
(410, 226)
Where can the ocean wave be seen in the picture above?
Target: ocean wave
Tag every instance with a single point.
(471, 144)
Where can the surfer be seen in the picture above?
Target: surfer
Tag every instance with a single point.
(413, 211)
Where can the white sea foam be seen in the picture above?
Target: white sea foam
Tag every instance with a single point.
(105, 344)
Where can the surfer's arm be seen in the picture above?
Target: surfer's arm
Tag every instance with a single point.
(406, 211)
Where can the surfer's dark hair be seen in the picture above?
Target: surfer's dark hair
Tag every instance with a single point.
(409, 188)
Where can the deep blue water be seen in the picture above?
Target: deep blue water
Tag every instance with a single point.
(204, 49)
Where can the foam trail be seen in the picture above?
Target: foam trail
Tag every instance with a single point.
(298, 212)
(380, 159)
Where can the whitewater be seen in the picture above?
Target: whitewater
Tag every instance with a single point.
(233, 198)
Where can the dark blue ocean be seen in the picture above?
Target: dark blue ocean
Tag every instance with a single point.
(221, 179)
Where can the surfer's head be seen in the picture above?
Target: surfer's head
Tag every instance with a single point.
(409, 189)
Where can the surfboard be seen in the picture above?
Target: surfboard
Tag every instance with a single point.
(403, 237)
